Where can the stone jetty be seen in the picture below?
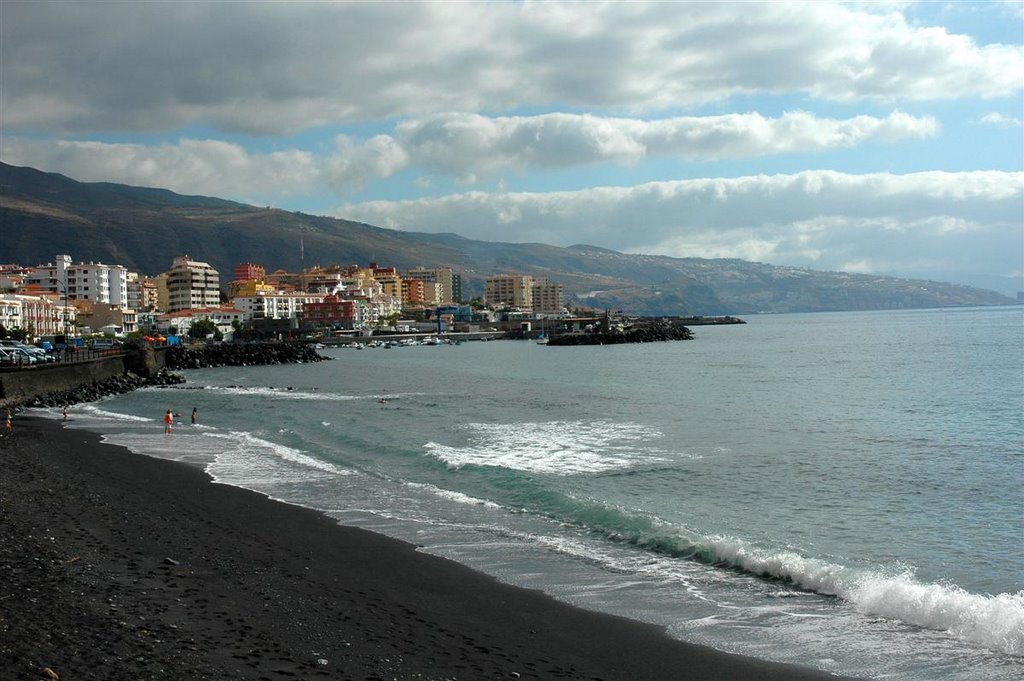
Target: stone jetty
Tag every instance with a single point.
(649, 332)
(240, 354)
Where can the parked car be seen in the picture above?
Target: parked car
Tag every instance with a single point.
(14, 356)
(104, 344)
(38, 354)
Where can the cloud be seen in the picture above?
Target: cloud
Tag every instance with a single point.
(999, 120)
(272, 68)
(465, 146)
(456, 143)
(917, 223)
(214, 167)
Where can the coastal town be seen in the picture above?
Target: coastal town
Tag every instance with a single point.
(63, 302)
(66, 305)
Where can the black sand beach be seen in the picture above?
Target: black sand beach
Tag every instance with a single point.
(119, 566)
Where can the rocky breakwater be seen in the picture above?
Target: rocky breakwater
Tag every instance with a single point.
(116, 385)
(650, 332)
(240, 354)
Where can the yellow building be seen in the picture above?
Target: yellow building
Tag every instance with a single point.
(251, 287)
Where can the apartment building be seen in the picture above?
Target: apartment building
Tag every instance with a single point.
(41, 314)
(547, 297)
(246, 274)
(276, 305)
(192, 284)
(84, 281)
(449, 282)
(509, 290)
(420, 292)
(248, 271)
(142, 293)
(94, 317)
(389, 280)
(334, 311)
(223, 317)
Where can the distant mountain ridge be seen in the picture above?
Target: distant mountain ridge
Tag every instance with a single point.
(44, 214)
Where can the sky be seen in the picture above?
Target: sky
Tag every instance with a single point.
(869, 137)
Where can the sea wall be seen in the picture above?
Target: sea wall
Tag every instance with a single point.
(83, 381)
(19, 386)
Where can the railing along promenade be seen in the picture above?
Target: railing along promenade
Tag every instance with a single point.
(68, 357)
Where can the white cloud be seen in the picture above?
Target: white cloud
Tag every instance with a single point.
(280, 67)
(464, 146)
(453, 143)
(910, 223)
(214, 167)
(1002, 121)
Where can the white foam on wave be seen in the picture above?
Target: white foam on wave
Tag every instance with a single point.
(252, 447)
(96, 412)
(556, 447)
(294, 394)
(457, 497)
(282, 393)
(995, 622)
(992, 621)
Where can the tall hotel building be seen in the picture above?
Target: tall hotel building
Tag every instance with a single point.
(450, 283)
(513, 290)
(191, 284)
(547, 296)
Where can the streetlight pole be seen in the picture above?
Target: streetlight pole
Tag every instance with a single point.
(64, 286)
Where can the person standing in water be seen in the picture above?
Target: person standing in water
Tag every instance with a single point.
(195, 414)
(168, 419)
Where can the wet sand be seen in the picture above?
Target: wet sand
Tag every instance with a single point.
(120, 566)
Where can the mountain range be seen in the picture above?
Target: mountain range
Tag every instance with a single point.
(46, 214)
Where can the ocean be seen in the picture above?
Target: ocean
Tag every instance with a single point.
(839, 490)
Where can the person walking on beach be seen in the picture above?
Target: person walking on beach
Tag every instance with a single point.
(168, 419)
(195, 413)
(64, 411)
(7, 422)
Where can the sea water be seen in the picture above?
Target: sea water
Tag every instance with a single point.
(842, 490)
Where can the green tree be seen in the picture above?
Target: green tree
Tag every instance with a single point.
(202, 329)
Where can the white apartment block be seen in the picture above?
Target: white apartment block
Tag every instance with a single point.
(85, 281)
(222, 317)
(379, 309)
(192, 284)
(275, 305)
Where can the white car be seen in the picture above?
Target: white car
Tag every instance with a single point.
(40, 356)
(11, 356)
